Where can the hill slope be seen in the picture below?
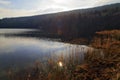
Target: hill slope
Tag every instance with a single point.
(70, 24)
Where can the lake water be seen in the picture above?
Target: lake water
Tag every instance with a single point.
(18, 51)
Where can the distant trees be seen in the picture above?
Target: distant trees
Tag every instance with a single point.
(72, 24)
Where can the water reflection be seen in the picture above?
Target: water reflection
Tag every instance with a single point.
(19, 52)
(17, 49)
(15, 31)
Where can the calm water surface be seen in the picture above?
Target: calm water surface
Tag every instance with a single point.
(18, 51)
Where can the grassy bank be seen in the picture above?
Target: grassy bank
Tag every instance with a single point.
(100, 63)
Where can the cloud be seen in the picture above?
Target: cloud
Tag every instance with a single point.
(52, 9)
(5, 12)
(4, 2)
(49, 10)
(27, 8)
(71, 4)
(103, 2)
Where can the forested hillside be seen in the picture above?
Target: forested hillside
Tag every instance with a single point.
(70, 24)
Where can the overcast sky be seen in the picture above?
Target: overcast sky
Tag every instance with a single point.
(16, 8)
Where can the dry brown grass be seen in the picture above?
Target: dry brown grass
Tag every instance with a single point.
(98, 65)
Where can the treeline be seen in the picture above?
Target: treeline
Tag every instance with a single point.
(73, 24)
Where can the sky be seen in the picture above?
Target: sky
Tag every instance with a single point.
(18, 8)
